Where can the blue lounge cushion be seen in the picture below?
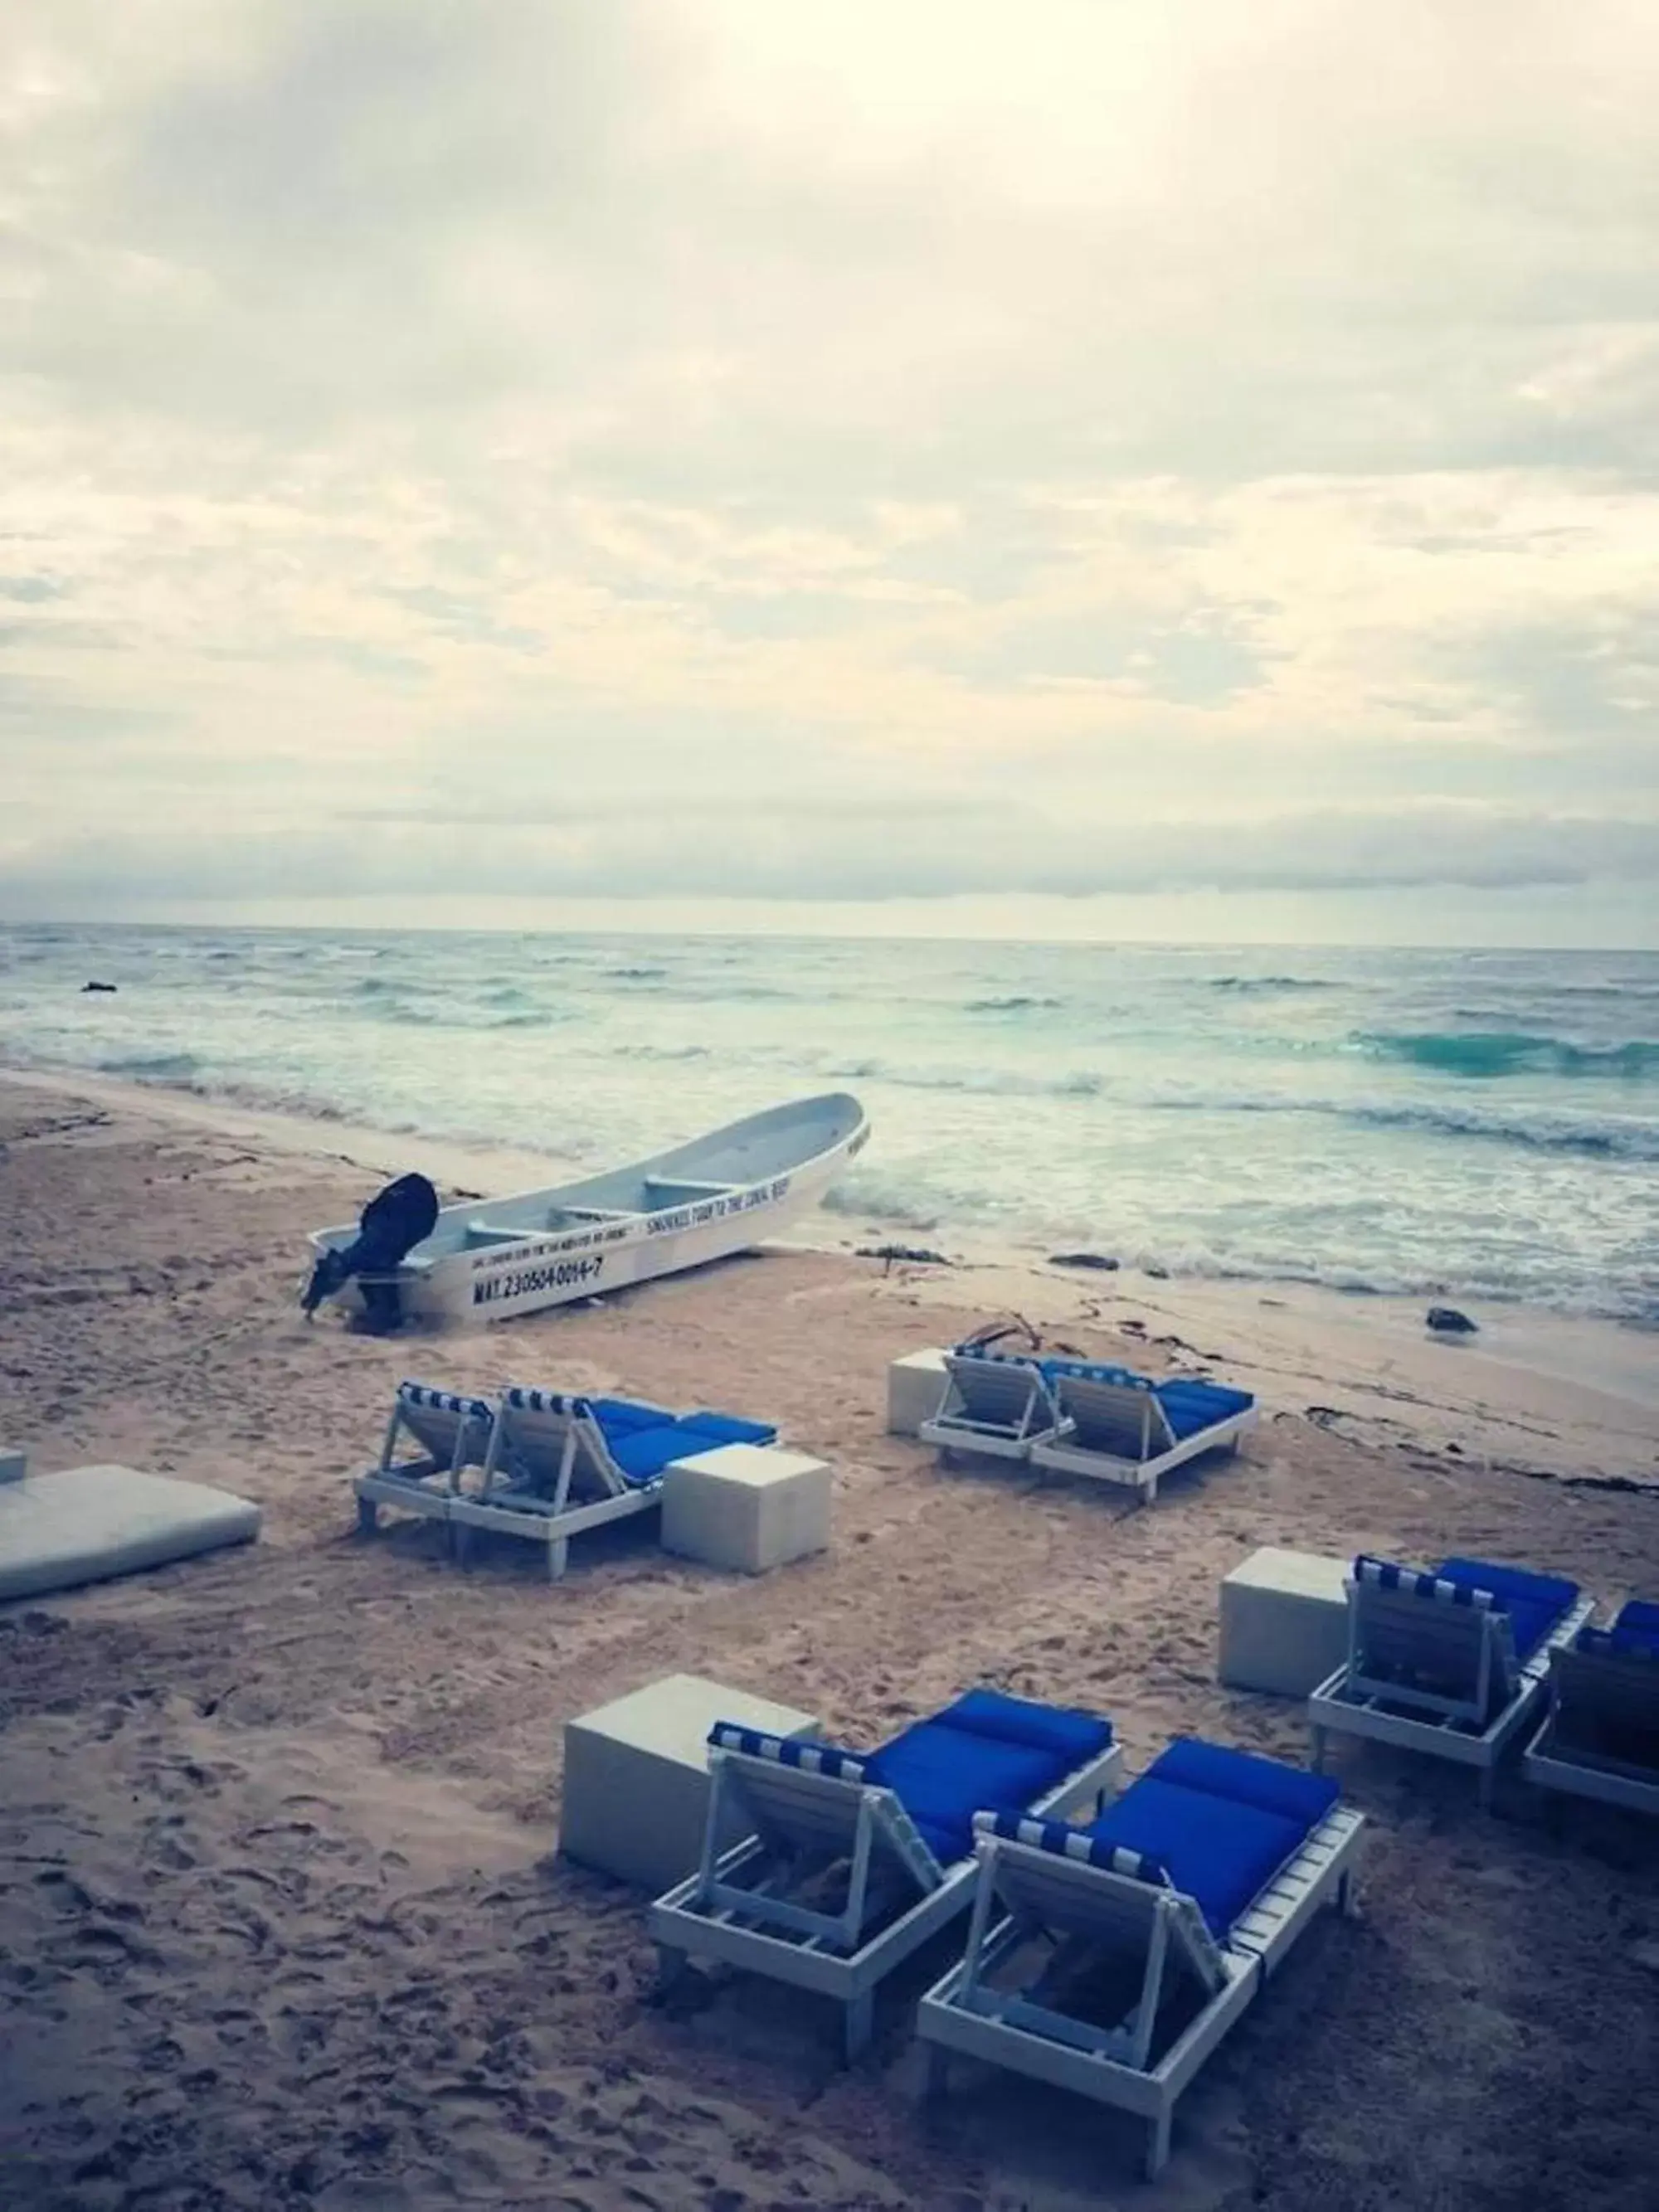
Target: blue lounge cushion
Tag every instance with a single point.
(1189, 1406)
(621, 1417)
(1616, 1642)
(642, 1439)
(642, 1454)
(1220, 1821)
(943, 1776)
(1245, 1778)
(1638, 1623)
(1221, 1853)
(1534, 1603)
(729, 1429)
(987, 1752)
(1069, 1734)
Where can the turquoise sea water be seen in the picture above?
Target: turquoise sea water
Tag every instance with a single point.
(1479, 1123)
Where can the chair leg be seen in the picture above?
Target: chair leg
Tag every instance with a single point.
(1158, 2143)
(369, 1517)
(1488, 1786)
(558, 1552)
(936, 2078)
(1317, 1750)
(671, 1965)
(460, 1544)
(861, 2024)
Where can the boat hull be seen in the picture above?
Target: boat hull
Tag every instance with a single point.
(528, 1272)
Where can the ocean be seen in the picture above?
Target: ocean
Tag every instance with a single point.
(1482, 1125)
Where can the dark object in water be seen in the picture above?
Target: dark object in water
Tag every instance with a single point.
(394, 1222)
(1099, 1260)
(85, 988)
(1446, 1321)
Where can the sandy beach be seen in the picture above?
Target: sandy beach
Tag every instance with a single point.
(282, 1921)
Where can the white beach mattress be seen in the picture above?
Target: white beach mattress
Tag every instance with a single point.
(90, 1522)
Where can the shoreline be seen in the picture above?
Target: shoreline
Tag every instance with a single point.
(1534, 1391)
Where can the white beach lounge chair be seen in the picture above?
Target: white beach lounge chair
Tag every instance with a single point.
(1120, 1427)
(1450, 1660)
(1112, 1959)
(857, 1858)
(1600, 1735)
(992, 1404)
(452, 1433)
(558, 1465)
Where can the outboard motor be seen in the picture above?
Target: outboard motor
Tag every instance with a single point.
(394, 1221)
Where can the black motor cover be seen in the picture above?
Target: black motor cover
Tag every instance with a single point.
(394, 1221)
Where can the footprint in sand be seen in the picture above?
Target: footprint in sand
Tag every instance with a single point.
(66, 1893)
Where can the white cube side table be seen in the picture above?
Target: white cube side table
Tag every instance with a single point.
(636, 1775)
(746, 1506)
(1283, 1621)
(916, 1385)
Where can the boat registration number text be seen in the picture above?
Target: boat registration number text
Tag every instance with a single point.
(557, 1275)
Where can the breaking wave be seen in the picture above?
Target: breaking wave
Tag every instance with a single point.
(1488, 1055)
(978, 1082)
(1604, 1139)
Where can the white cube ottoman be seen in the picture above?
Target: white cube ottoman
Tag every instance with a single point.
(916, 1385)
(1284, 1622)
(747, 1506)
(637, 1775)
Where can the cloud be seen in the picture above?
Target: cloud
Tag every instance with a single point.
(827, 452)
(855, 855)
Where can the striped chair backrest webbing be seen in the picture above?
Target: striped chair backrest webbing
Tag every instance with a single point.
(823, 1818)
(1063, 1841)
(1445, 1644)
(453, 1429)
(1414, 1582)
(1116, 1413)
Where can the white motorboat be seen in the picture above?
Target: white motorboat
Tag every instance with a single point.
(493, 1259)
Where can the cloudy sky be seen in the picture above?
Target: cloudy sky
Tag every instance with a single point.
(1176, 470)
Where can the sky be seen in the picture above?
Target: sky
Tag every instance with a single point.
(1074, 468)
